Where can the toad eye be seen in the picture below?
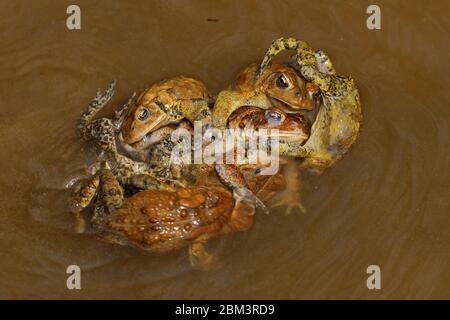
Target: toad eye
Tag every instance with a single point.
(143, 114)
(282, 82)
(274, 117)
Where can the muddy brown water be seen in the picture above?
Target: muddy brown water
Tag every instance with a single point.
(386, 203)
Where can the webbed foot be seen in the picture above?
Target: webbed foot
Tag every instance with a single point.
(289, 199)
(102, 97)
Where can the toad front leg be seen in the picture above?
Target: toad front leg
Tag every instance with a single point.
(229, 101)
(232, 177)
(195, 110)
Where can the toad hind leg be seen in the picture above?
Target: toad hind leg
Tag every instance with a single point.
(111, 192)
(302, 50)
(199, 258)
(119, 116)
(99, 101)
(81, 196)
(320, 72)
(83, 193)
(311, 63)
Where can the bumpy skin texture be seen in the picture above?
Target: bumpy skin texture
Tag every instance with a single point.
(283, 188)
(292, 128)
(289, 127)
(339, 119)
(102, 133)
(277, 85)
(161, 221)
(164, 103)
(83, 193)
(155, 174)
(286, 89)
(158, 151)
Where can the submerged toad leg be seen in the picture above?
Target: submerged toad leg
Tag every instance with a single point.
(111, 192)
(199, 258)
(111, 195)
(81, 196)
(242, 217)
(291, 195)
(103, 183)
